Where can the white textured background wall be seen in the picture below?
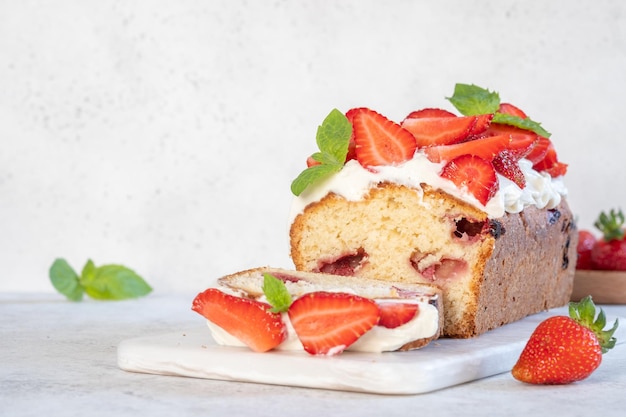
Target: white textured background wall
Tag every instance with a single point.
(164, 135)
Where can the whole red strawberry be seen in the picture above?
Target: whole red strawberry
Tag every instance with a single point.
(609, 253)
(565, 349)
(586, 242)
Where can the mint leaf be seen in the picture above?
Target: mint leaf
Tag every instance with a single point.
(276, 293)
(471, 100)
(88, 273)
(527, 123)
(333, 136)
(333, 139)
(312, 175)
(65, 280)
(112, 282)
(108, 282)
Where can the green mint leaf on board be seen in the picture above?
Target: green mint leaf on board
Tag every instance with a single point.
(333, 139)
(107, 282)
(65, 280)
(471, 100)
(276, 293)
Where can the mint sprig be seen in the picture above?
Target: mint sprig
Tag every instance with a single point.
(471, 100)
(106, 282)
(276, 293)
(333, 139)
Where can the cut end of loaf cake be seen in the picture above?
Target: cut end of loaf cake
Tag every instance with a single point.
(491, 272)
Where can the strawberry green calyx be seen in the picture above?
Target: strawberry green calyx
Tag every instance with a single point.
(611, 225)
(584, 313)
(471, 100)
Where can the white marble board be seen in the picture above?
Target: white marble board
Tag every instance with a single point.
(443, 363)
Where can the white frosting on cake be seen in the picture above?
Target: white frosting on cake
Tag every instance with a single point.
(353, 182)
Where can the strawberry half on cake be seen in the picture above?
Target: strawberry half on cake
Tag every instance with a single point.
(474, 204)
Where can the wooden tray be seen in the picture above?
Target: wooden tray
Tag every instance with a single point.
(605, 287)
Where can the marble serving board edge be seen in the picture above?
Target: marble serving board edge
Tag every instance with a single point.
(441, 364)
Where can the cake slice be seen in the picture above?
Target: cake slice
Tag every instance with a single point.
(386, 305)
(477, 207)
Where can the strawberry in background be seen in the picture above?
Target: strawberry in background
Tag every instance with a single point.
(586, 242)
(609, 252)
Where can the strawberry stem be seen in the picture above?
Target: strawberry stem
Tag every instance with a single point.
(611, 225)
(584, 313)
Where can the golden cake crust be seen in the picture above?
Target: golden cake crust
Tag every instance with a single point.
(491, 272)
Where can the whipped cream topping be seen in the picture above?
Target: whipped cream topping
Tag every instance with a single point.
(353, 182)
(378, 339)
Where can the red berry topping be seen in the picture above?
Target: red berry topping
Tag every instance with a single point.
(327, 323)
(311, 162)
(483, 122)
(248, 320)
(474, 173)
(540, 150)
(393, 314)
(549, 163)
(506, 164)
(379, 141)
(486, 148)
(444, 129)
(507, 108)
(429, 112)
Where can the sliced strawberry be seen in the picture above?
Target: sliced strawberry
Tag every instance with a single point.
(430, 131)
(498, 129)
(327, 323)
(393, 314)
(507, 108)
(351, 145)
(486, 148)
(540, 150)
(351, 149)
(248, 320)
(557, 170)
(520, 147)
(474, 173)
(311, 162)
(550, 163)
(483, 122)
(506, 164)
(352, 112)
(379, 141)
(429, 112)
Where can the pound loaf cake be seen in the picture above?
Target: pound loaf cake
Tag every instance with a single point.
(474, 204)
